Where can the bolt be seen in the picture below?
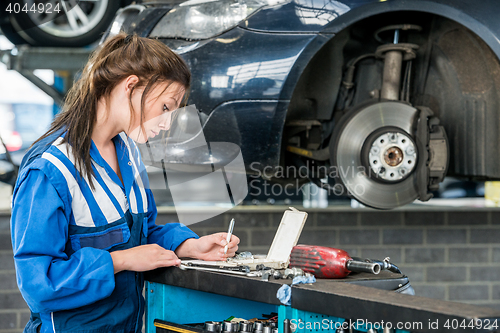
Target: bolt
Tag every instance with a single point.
(375, 150)
(393, 137)
(402, 171)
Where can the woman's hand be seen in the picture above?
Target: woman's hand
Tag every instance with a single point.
(210, 247)
(143, 258)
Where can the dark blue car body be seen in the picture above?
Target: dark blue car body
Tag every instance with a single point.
(284, 65)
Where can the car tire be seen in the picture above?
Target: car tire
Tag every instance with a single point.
(11, 34)
(59, 32)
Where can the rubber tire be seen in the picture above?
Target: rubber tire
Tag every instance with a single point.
(11, 34)
(38, 37)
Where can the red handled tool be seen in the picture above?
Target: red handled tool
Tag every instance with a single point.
(328, 263)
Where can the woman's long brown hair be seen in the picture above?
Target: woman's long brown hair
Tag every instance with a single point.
(116, 59)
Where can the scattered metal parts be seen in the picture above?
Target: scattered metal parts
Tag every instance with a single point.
(212, 326)
(244, 255)
(230, 327)
(241, 327)
(262, 267)
(277, 275)
(258, 327)
(291, 273)
(246, 326)
(267, 274)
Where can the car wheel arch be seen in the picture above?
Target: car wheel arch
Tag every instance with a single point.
(297, 110)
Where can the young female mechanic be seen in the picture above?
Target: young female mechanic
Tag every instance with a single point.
(83, 223)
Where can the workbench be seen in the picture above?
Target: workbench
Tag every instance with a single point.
(191, 296)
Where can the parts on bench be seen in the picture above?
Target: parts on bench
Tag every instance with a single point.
(241, 326)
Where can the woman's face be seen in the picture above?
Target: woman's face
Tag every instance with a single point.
(158, 110)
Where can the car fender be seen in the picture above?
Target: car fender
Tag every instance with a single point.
(476, 17)
(479, 17)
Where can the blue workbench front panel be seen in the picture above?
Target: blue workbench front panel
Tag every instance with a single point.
(187, 306)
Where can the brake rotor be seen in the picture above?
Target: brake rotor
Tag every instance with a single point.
(375, 154)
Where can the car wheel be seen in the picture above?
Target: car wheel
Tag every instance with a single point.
(376, 154)
(77, 24)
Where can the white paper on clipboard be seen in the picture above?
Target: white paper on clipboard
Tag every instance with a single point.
(278, 257)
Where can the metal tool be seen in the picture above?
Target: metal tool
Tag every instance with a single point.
(212, 326)
(286, 326)
(384, 264)
(238, 268)
(229, 326)
(217, 270)
(229, 234)
(258, 327)
(246, 326)
(327, 262)
(293, 272)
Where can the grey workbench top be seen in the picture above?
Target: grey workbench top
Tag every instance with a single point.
(334, 297)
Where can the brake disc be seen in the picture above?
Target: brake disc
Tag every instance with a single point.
(375, 154)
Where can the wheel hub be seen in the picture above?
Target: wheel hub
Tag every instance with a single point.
(392, 156)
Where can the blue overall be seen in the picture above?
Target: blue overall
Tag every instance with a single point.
(63, 233)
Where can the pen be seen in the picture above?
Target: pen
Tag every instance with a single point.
(229, 233)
